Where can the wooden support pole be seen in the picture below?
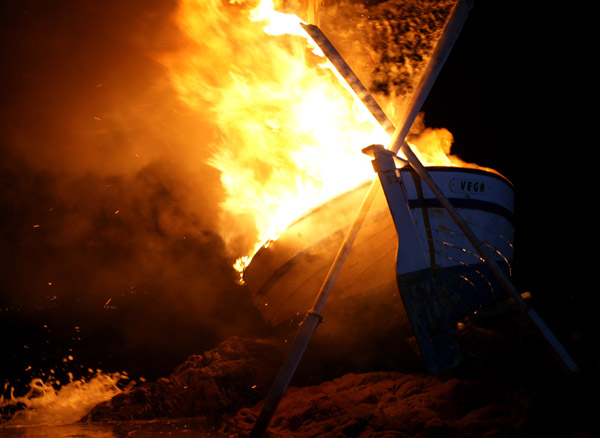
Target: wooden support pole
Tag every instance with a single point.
(312, 318)
(543, 330)
(350, 77)
(441, 51)
(310, 321)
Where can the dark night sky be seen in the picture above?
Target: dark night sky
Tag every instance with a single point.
(504, 93)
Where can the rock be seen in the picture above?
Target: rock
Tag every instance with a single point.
(496, 396)
(237, 373)
(392, 404)
(228, 385)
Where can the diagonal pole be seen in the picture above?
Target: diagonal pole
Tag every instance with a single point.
(313, 317)
(399, 144)
(531, 315)
(310, 322)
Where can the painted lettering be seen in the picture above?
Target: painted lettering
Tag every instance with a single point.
(468, 186)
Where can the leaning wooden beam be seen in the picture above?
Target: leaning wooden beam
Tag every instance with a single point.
(443, 47)
(310, 322)
(534, 318)
(399, 144)
(313, 317)
(441, 51)
(349, 76)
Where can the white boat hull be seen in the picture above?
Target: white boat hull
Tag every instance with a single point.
(285, 277)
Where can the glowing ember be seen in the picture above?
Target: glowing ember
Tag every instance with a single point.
(290, 131)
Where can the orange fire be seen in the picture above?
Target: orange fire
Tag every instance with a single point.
(290, 130)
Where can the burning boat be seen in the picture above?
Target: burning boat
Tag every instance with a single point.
(293, 120)
(285, 276)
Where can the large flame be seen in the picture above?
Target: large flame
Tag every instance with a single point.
(290, 130)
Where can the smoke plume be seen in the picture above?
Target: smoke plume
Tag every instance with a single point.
(108, 208)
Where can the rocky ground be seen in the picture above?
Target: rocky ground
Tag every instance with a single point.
(508, 385)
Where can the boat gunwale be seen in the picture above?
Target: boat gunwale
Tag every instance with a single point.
(407, 168)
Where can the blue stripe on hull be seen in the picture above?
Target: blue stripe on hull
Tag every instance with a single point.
(473, 204)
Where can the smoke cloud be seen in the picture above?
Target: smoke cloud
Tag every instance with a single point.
(108, 208)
